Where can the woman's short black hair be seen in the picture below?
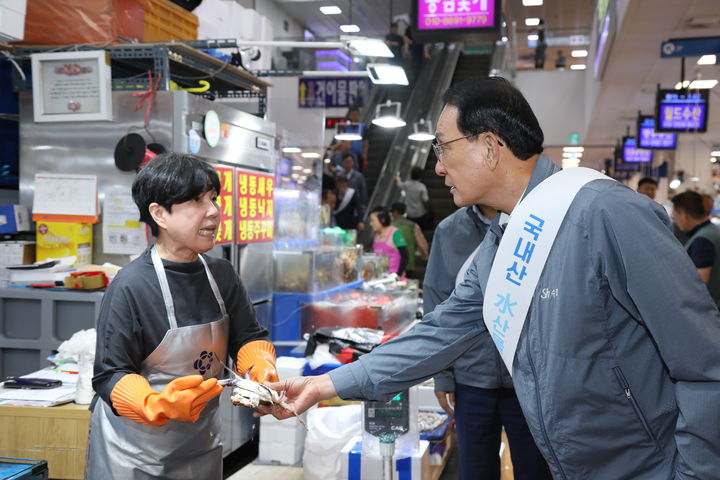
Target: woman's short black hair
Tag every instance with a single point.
(169, 179)
(382, 215)
(492, 104)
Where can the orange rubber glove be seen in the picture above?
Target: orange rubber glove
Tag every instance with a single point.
(259, 358)
(182, 399)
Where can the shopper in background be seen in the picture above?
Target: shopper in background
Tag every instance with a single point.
(416, 198)
(617, 367)
(167, 323)
(412, 233)
(478, 389)
(540, 46)
(388, 240)
(356, 181)
(348, 213)
(703, 245)
(340, 151)
(395, 43)
(328, 202)
(648, 186)
(560, 60)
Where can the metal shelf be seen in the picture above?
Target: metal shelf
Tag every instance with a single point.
(175, 61)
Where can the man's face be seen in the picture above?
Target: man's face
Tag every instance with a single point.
(354, 116)
(648, 189)
(681, 219)
(348, 163)
(463, 163)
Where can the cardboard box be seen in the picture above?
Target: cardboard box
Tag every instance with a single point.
(14, 218)
(62, 239)
(363, 467)
(14, 253)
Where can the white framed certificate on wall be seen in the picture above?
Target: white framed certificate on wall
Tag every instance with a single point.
(71, 86)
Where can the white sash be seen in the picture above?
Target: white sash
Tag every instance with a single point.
(346, 199)
(522, 254)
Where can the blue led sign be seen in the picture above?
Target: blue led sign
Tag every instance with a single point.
(681, 110)
(647, 137)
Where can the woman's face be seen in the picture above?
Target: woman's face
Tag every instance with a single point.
(375, 223)
(190, 228)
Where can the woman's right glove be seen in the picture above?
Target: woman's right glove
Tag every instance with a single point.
(182, 399)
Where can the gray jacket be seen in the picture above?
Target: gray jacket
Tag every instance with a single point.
(618, 365)
(455, 238)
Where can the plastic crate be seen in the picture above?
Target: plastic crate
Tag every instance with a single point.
(23, 469)
(167, 21)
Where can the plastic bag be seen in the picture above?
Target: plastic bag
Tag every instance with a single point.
(329, 429)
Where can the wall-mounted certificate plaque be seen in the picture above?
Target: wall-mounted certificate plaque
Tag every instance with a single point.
(71, 86)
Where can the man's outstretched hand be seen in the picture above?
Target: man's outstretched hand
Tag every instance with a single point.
(300, 393)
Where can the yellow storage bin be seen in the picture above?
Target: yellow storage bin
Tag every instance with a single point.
(61, 239)
(167, 21)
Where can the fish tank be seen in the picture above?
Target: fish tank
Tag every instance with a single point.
(308, 270)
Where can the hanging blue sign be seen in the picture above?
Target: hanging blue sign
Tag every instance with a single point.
(681, 110)
(690, 47)
(332, 92)
(632, 154)
(647, 137)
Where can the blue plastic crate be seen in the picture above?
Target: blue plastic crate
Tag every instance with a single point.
(23, 469)
(286, 308)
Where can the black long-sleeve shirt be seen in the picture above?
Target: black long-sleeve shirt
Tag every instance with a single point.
(133, 319)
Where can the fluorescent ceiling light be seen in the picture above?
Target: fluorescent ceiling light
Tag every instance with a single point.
(422, 131)
(297, 167)
(386, 74)
(292, 150)
(698, 84)
(578, 66)
(504, 39)
(327, 160)
(715, 153)
(421, 136)
(389, 122)
(684, 84)
(367, 47)
(532, 22)
(349, 136)
(310, 155)
(675, 183)
(331, 10)
(707, 60)
(350, 28)
(307, 170)
(694, 179)
(579, 53)
(573, 149)
(532, 37)
(571, 155)
(532, 3)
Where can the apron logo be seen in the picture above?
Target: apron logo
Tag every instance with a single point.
(204, 362)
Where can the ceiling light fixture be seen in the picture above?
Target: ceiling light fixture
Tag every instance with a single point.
(532, 37)
(707, 60)
(532, 3)
(310, 155)
(573, 149)
(532, 22)
(578, 66)
(715, 153)
(422, 131)
(350, 28)
(579, 53)
(331, 10)
(698, 84)
(347, 131)
(683, 84)
(387, 115)
(292, 150)
(367, 47)
(386, 74)
(571, 155)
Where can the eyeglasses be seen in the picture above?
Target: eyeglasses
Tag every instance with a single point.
(440, 151)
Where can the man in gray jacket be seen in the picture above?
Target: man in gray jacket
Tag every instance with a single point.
(478, 389)
(617, 368)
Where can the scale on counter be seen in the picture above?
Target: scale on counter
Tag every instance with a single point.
(387, 421)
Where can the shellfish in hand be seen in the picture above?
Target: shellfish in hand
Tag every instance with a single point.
(252, 394)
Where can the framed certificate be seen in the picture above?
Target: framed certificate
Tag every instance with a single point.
(71, 86)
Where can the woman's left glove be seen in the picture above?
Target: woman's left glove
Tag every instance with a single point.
(258, 360)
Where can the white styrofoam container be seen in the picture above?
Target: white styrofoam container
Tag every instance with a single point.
(12, 20)
(280, 453)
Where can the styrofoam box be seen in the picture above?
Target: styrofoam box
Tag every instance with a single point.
(371, 467)
(280, 453)
(274, 430)
(426, 399)
(12, 20)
